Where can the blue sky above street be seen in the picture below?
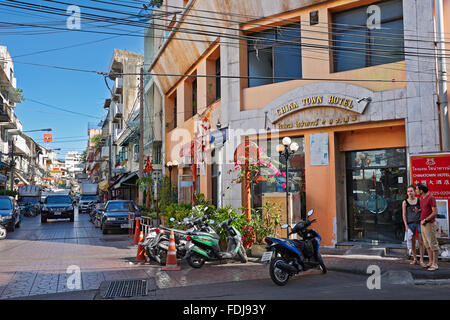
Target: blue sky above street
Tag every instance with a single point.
(75, 91)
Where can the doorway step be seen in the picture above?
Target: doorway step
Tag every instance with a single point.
(368, 249)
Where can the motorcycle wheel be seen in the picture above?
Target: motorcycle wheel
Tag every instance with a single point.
(321, 263)
(196, 261)
(3, 233)
(162, 254)
(242, 254)
(277, 275)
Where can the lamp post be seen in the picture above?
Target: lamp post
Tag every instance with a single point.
(286, 150)
(170, 165)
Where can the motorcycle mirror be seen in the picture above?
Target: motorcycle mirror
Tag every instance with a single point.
(172, 219)
(185, 219)
(211, 221)
(310, 212)
(284, 226)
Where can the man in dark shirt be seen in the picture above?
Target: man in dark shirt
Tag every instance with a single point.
(429, 227)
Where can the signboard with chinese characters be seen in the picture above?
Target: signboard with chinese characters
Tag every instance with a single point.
(433, 170)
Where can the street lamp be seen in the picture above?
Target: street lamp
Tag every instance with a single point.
(286, 150)
(170, 165)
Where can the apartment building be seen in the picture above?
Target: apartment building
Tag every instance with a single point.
(353, 83)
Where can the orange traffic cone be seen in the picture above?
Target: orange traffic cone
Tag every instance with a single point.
(171, 261)
(140, 257)
(137, 231)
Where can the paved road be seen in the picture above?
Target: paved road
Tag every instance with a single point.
(35, 258)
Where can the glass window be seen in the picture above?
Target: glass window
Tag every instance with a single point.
(376, 187)
(58, 200)
(121, 206)
(194, 97)
(355, 45)
(296, 177)
(218, 92)
(5, 204)
(273, 54)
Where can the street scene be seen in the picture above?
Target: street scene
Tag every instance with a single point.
(158, 150)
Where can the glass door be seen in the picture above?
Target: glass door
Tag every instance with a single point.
(376, 187)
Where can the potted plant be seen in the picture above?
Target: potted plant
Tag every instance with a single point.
(264, 223)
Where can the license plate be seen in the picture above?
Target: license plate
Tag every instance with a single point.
(57, 213)
(125, 225)
(267, 256)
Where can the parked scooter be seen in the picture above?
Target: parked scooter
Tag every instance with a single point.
(204, 246)
(156, 243)
(289, 257)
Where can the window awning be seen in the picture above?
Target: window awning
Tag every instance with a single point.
(126, 178)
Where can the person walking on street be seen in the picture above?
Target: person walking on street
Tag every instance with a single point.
(429, 226)
(411, 218)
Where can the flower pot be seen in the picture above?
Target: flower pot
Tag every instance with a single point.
(257, 250)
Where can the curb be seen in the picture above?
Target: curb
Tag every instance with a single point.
(362, 270)
(416, 274)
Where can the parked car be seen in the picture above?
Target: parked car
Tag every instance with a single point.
(114, 215)
(57, 206)
(10, 216)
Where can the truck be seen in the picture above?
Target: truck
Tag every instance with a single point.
(89, 196)
(29, 199)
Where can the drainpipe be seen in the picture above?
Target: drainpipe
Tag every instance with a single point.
(442, 74)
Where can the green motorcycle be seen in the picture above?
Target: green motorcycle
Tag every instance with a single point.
(204, 246)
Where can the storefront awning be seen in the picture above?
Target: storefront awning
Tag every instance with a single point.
(21, 178)
(126, 178)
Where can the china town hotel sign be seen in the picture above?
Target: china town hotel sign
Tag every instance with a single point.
(344, 110)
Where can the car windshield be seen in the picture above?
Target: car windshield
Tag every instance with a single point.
(5, 204)
(89, 198)
(120, 206)
(58, 200)
(32, 200)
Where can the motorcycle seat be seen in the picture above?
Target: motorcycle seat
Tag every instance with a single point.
(200, 233)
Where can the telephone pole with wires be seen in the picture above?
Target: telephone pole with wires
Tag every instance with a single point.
(141, 132)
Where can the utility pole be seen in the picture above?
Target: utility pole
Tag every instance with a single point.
(442, 74)
(110, 157)
(141, 133)
(12, 164)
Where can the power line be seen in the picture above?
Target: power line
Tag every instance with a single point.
(62, 109)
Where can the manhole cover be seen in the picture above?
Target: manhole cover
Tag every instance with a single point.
(127, 289)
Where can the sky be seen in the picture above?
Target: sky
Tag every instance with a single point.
(71, 90)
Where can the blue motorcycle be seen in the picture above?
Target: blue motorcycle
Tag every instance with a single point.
(288, 257)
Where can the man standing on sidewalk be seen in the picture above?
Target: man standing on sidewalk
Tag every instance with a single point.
(428, 225)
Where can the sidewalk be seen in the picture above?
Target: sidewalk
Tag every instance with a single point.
(336, 260)
(397, 268)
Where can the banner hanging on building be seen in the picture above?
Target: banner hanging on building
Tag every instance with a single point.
(433, 170)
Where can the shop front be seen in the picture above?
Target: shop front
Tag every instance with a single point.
(351, 167)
